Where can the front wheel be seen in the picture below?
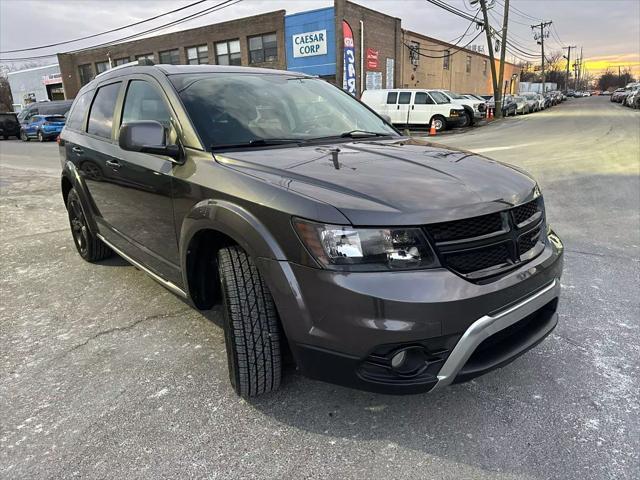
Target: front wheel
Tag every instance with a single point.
(251, 326)
(90, 247)
(439, 123)
(41, 137)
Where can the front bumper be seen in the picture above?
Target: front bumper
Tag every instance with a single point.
(453, 122)
(346, 327)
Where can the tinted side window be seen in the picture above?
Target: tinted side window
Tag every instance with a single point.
(144, 102)
(422, 98)
(101, 114)
(392, 97)
(79, 109)
(404, 98)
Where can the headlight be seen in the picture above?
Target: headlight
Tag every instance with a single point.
(366, 249)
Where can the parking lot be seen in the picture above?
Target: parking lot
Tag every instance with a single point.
(104, 373)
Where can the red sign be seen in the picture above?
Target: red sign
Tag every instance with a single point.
(372, 58)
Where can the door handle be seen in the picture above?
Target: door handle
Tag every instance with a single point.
(77, 150)
(113, 164)
(413, 107)
(398, 107)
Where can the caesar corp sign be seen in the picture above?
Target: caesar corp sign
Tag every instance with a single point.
(309, 44)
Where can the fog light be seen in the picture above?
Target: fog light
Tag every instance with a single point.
(398, 359)
(409, 361)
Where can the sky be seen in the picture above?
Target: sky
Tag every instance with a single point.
(607, 30)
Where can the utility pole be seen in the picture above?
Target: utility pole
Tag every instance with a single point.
(580, 69)
(494, 76)
(542, 26)
(503, 50)
(566, 82)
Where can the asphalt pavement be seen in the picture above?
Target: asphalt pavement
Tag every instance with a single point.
(105, 374)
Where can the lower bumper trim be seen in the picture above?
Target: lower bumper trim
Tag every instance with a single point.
(489, 325)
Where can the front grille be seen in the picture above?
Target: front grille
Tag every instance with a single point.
(528, 240)
(491, 244)
(481, 259)
(524, 212)
(472, 227)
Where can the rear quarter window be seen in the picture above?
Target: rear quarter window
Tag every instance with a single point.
(78, 110)
(392, 97)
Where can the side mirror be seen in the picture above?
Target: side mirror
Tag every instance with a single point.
(386, 118)
(147, 136)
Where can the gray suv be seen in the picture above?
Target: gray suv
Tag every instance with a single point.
(367, 258)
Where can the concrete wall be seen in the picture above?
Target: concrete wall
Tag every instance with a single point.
(210, 34)
(430, 72)
(381, 33)
(25, 82)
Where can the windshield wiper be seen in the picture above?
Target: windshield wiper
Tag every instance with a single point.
(363, 133)
(257, 142)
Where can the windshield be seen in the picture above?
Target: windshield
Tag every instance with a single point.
(439, 97)
(455, 96)
(233, 109)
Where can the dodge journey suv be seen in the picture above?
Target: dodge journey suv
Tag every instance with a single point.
(369, 259)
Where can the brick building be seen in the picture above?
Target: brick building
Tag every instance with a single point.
(439, 64)
(317, 42)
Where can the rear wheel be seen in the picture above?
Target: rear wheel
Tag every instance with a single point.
(23, 136)
(251, 327)
(90, 247)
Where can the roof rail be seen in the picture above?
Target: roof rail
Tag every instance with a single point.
(136, 63)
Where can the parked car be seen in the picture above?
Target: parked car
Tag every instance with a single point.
(616, 96)
(9, 125)
(474, 109)
(415, 108)
(630, 99)
(318, 227)
(42, 127)
(509, 105)
(522, 106)
(58, 107)
(533, 102)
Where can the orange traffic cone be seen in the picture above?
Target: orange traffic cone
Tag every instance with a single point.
(490, 114)
(432, 129)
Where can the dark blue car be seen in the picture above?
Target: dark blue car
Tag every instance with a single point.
(42, 127)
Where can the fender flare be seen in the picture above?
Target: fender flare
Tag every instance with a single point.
(233, 221)
(72, 175)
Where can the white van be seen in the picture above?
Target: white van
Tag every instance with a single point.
(415, 107)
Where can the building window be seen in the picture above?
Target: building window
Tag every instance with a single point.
(101, 67)
(121, 61)
(263, 48)
(172, 57)
(414, 53)
(86, 73)
(198, 55)
(484, 67)
(145, 56)
(468, 63)
(228, 53)
(445, 59)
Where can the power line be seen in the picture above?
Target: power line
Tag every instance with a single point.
(219, 6)
(451, 53)
(520, 13)
(105, 32)
(455, 11)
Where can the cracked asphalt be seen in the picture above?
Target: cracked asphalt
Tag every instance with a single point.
(105, 374)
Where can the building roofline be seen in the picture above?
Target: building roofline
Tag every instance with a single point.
(305, 12)
(34, 68)
(164, 35)
(447, 44)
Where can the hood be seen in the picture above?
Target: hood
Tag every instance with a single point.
(390, 182)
